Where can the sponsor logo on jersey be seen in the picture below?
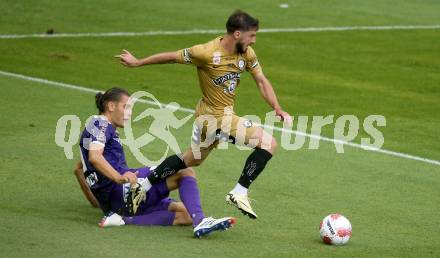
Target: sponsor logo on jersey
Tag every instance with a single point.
(229, 76)
(241, 64)
(216, 58)
(231, 87)
(92, 179)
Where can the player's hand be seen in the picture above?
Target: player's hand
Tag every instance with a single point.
(284, 116)
(130, 177)
(127, 59)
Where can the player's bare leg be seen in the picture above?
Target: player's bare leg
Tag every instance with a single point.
(182, 216)
(190, 160)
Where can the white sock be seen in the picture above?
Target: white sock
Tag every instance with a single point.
(146, 184)
(240, 189)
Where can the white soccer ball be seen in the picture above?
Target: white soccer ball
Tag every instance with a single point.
(335, 229)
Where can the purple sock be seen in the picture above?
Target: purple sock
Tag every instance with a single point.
(163, 218)
(190, 196)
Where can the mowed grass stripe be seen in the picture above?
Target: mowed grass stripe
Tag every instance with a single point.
(336, 141)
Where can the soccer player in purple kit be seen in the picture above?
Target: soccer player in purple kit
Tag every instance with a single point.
(108, 179)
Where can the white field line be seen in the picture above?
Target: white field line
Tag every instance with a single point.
(200, 31)
(355, 145)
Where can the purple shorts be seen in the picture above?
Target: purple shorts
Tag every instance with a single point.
(155, 206)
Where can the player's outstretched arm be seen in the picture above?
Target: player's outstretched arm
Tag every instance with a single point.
(268, 93)
(129, 60)
(79, 174)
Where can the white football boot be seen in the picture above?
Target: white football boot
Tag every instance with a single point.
(208, 225)
(111, 221)
(241, 201)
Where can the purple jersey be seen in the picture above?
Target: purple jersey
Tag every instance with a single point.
(110, 195)
(101, 131)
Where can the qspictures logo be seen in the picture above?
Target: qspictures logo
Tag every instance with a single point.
(222, 131)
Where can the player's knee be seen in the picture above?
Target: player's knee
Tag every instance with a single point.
(194, 163)
(190, 161)
(188, 172)
(270, 146)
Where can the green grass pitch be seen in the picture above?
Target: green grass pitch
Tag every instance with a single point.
(393, 203)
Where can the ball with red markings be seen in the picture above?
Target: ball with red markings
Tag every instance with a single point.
(335, 229)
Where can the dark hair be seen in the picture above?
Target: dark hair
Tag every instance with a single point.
(242, 21)
(113, 94)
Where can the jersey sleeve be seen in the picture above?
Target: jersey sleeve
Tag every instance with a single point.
(252, 64)
(193, 55)
(98, 132)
